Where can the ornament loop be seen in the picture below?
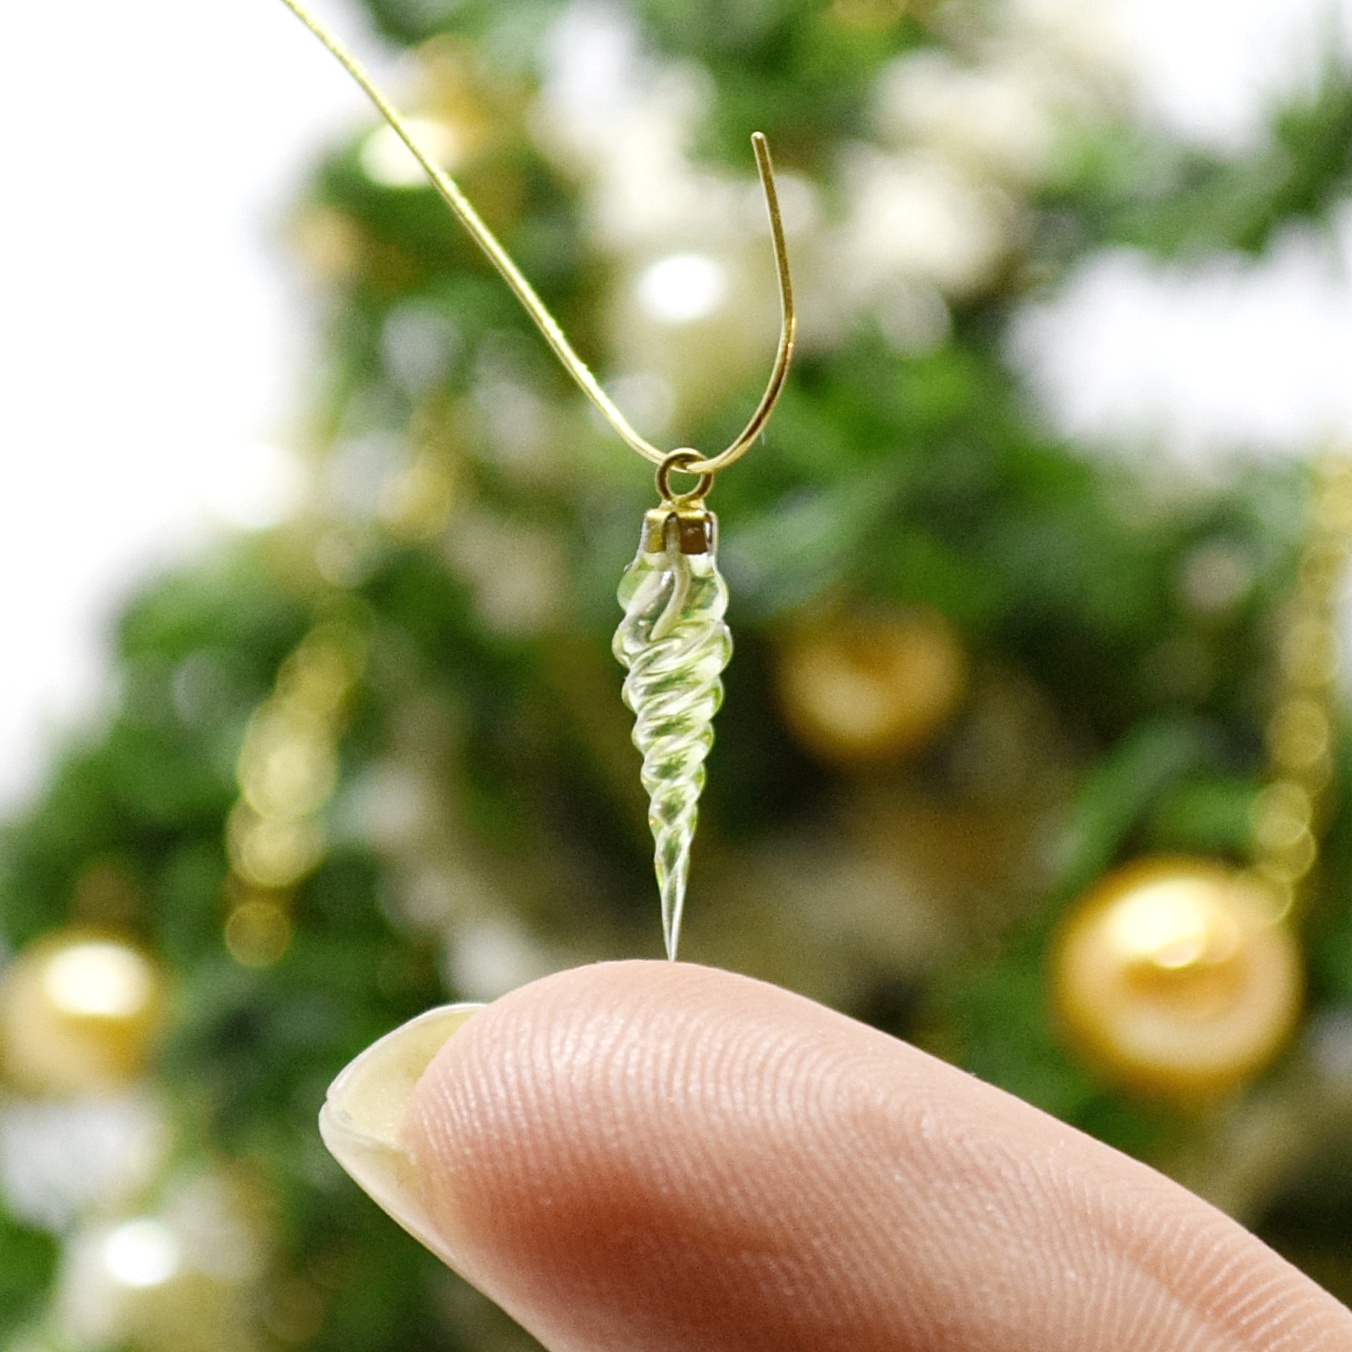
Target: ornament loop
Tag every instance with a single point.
(690, 462)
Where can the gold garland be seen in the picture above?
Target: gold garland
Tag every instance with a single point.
(287, 771)
(1290, 812)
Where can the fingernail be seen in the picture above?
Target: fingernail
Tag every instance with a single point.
(365, 1108)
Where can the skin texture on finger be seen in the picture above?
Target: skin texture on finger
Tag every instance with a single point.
(646, 1157)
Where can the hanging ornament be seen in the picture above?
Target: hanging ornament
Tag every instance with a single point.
(674, 643)
(872, 685)
(672, 640)
(1174, 977)
(79, 1012)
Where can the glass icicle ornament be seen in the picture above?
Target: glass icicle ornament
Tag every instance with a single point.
(675, 645)
(673, 639)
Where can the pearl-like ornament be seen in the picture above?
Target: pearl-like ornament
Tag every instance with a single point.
(79, 1012)
(872, 685)
(1174, 978)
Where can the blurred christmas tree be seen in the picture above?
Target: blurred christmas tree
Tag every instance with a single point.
(377, 756)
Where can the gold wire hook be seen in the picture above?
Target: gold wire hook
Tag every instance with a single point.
(535, 307)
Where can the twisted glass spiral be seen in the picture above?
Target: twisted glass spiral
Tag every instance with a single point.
(675, 645)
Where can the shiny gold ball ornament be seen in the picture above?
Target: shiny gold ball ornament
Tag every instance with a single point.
(79, 1012)
(1172, 977)
(872, 685)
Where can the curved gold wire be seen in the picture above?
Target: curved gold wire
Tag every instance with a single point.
(535, 307)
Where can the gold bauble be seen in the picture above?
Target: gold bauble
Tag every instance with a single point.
(79, 1011)
(1172, 977)
(872, 685)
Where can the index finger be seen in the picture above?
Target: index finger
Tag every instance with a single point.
(655, 1156)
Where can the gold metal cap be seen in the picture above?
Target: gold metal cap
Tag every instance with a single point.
(689, 530)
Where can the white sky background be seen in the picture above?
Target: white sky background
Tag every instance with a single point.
(152, 341)
(1198, 363)
(153, 336)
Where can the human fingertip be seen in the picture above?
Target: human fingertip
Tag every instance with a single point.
(364, 1111)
